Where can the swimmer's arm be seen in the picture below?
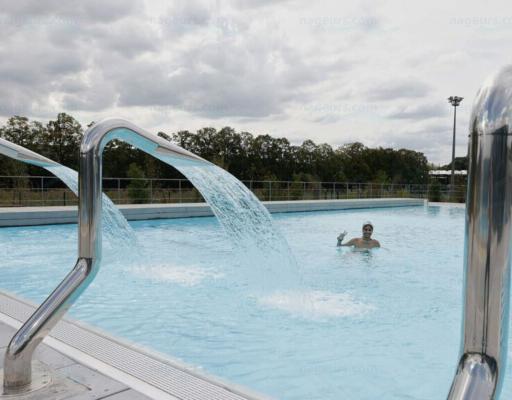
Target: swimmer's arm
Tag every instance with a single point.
(377, 243)
(351, 242)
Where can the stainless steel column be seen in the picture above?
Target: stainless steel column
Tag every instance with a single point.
(487, 252)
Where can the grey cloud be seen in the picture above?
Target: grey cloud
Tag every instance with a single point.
(257, 3)
(64, 62)
(28, 76)
(19, 66)
(29, 12)
(431, 139)
(212, 94)
(221, 79)
(400, 89)
(328, 119)
(95, 98)
(190, 17)
(419, 111)
(186, 16)
(123, 60)
(14, 103)
(70, 85)
(129, 37)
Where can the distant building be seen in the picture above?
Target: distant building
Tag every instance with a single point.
(443, 176)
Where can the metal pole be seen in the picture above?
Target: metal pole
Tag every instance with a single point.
(487, 249)
(455, 102)
(452, 179)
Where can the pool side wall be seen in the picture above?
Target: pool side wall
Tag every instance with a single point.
(27, 216)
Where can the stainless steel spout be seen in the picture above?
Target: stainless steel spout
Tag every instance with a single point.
(487, 254)
(25, 155)
(18, 357)
(90, 182)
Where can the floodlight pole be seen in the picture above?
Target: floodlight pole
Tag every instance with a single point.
(455, 102)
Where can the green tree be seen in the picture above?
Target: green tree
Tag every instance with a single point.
(246, 156)
(61, 140)
(138, 187)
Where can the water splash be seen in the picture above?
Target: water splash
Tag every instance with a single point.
(316, 304)
(115, 227)
(258, 244)
(183, 275)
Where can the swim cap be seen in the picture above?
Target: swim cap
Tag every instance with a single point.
(367, 223)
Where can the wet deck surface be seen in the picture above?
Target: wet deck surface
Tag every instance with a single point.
(84, 383)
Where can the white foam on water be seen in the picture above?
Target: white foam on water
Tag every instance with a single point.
(316, 303)
(183, 275)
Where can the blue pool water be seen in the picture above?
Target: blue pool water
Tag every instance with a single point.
(363, 325)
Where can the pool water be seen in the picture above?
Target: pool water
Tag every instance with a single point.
(362, 325)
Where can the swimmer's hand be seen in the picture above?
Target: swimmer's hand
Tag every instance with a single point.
(341, 236)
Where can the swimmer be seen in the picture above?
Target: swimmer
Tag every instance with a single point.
(365, 242)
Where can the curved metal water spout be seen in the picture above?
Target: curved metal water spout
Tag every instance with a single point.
(487, 252)
(24, 155)
(91, 150)
(18, 357)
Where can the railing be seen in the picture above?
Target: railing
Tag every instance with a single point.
(49, 191)
(487, 250)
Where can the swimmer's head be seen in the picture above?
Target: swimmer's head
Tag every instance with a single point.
(367, 230)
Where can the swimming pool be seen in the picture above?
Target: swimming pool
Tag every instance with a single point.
(384, 324)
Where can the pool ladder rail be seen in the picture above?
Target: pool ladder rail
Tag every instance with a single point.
(17, 378)
(487, 248)
(487, 255)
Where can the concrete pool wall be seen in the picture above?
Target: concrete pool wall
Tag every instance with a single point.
(26, 216)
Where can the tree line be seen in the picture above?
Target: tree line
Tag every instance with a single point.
(246, 156)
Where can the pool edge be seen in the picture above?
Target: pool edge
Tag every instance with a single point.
(33, 216)
(170, 379)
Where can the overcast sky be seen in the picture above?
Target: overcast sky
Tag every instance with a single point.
(375, 71)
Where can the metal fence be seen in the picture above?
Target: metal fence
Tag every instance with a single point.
(50, 191)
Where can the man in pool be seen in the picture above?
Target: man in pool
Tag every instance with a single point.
(365, 242)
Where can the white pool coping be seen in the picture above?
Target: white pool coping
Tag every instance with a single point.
(146, 371)
(26, 216)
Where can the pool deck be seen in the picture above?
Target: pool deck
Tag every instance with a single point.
(26, 216)
(89, 364)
